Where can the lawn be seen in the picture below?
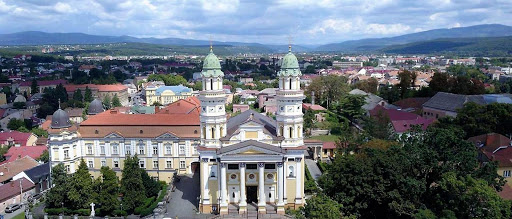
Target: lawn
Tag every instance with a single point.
(325, 137)
(20, 216)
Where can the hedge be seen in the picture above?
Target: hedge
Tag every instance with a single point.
(118, 213)
(149, 210)
(146, 204)
(66, 211)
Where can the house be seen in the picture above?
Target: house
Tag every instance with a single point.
(413, 104)
(267, 100)
(26, 86)
(39, 176)
(101, 91)
(75, 114)
(446, 104)
(190, 105)
(15, 138)
(11, 169)
(372, 100)
(317, 109)
(328, 150)
(240, 108)
(15, 192)
(495, 147)
(167, 94)
(17, 152)
(401, 121)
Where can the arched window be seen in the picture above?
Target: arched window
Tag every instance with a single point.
(233, 194)
(213, 132)
(291, 132)
(291, 171)
(290, 83)
(204, 132)
(211, 84)
(299, 132)
(221, 131)
(281, 130)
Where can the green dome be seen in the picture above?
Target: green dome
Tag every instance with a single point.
(290, 65)
(211, 66)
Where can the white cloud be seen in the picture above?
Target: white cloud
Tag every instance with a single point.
(220, 6)
(358, 25)
(64, 8)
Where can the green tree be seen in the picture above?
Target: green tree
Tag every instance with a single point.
(107, 103)
(45, 157)
(19, 105)
(328, 89)
(108, 191)
(151, 186)
(80, 189)
(390, 93)
(368, 86)
(15, 124)
(115, 101)
(34, 88)
(88, 95)
(40, 132)
(57, 196)
(132, 186)
(351, 106)
(77, 95)
(407, 79)
(321, 206)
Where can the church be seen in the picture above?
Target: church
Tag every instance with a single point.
(251, 160)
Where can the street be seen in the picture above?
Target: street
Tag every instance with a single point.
(13, 214)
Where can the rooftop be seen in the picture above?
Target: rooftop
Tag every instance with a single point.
(12, 189)
(99, 87)
(8, 170)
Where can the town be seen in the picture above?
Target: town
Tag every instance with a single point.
(405, 120)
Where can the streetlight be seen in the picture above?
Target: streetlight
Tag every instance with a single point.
(121, 206)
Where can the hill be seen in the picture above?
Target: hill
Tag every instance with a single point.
(476, 46)
(486, 30)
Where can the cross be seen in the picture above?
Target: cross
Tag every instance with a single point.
(290, 43)
(211, 43)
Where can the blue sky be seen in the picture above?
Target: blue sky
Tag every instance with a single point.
(264, 21)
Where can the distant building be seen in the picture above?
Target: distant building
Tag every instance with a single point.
(401, 121)
(26, 86)
(167, 94)
(101, 91)
(340, 64)
(14, 192)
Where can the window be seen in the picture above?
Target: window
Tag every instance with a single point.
(155, 149)
(90, 164)
(213, 171)
(155, 164)
(182, 164)
(102, 149)
(506, 173)
(116, 164)
(68, 169)
(168, 164)
(291, 172)
(252, 166)
(89, 148)
(128, 149)
(182, 149)
(115, 149)
(270, 166)
(232, 166)
(141, 164)
(103, 163)
(168, 148)
(141, 149)
(66, 154)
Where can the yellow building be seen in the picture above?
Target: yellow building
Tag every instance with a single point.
(164, 143)
(3, 99)
(166, 94)
(251, 162)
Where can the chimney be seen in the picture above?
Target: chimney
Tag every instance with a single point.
(312, 98)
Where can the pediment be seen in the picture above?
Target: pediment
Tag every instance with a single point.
(167, 135)
(251, 124)
(114, 135)
(248, 149)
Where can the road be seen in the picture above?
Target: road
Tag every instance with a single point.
(13, 214)
(313, 169)
(184, 200)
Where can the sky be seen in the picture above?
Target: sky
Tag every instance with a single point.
(263, 21)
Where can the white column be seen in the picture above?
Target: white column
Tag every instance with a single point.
(298, 181)
(261, 185)
(223, 189)
(243, 199)
(280, 184)
(206, 174)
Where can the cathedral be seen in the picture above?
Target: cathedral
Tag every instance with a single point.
(251, 160)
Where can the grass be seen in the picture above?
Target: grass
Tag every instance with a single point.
(326, 137)
(20, 216)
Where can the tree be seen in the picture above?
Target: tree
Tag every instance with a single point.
(115, 101)
(80, 189)
(328, 89)
(45, 157)
(77, 95)
(107, 102)
(407, 80)
(15, 124)
(439, 82)
(19, 105)
(151, 186)
(132, 186)
(390, 93)
(321, 206)
(57, 196)
(34, 88)
(88, 95)
(39, 132)
(368, 86)
(350, 106)
(108, 190)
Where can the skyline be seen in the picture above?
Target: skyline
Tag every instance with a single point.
(306, 21)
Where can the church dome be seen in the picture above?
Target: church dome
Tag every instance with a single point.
(60, 119)
(289, 65)
(20, 98)
(211, 66)
(95, 107)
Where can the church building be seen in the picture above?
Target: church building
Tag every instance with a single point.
(251, 160)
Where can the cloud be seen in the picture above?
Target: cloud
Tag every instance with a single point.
(264, 21)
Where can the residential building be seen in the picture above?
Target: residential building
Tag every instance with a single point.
(38, 175)
(17, 152)
(251, 158)
(11, 169)
(401, 121)
(101, 91)
(26, 86)
(14, 192)
(371, 100)
(16, 138)
(340, 64)
(166, 94)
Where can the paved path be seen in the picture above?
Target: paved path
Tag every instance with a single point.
(13, 214)
(184, 200)
(313, 169)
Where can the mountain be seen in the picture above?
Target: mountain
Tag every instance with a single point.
(485, 30)
(477, 46)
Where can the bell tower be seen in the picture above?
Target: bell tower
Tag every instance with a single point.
(289, 98)
(213, 102)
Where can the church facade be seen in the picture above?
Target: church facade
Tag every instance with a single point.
(251, 159)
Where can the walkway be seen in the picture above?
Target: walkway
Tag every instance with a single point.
(184, 200)
(313, 169)
(252, 213)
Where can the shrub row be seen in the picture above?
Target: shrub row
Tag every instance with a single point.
(147, 203)
(149, 210)
(66, 211)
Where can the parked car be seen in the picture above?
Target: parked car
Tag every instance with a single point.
(34, 197)
(12, 207)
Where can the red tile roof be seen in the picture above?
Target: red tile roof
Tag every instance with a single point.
(106, 118)
(12, 189)
(315, 107)
(18, 137)
(401, 120)
(184, 106)
(496, 147)
(17, 152)
(45, 83)
(329, 145)
(10, 169)
(99, 87)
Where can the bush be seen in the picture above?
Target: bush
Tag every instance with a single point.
(119, 213)
(322, 166)
(147, 203)
(83, 212)
(57, 211)
(149, 210)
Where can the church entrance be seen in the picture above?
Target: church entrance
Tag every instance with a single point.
(252, 194)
